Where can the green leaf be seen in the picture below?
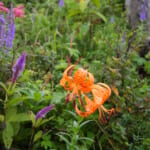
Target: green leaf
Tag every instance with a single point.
(101, 16)
(1, 118)
(63, 138)
(84, 29)
(38, 135)
(16, 127)
(83, 4)
(21, 117)
(32, 117)
(86, 138)
(84, 123)
(73, 13)
(96, 2)
(72, 113)
(7, 135)
(16, 101)
(10, 113)
(74, 52)
(61, 66)
(41, 121)
(4, 87)
(37, 96)
(57, 97)
(147, 67)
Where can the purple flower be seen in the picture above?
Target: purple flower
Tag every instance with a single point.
(143, 12)
(7, 30)
(2, 30)
(18, 67)
(11, 28)
(61, 3)
(112, 20)
(44, 111)
(10, 35)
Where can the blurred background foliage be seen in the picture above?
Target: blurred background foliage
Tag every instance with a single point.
(108, 47)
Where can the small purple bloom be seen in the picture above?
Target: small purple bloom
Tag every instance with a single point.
(112, 20)
(143, 12)
(18, 67)
(61, 3)
(44, 111)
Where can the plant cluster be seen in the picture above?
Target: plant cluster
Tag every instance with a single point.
(60, 62)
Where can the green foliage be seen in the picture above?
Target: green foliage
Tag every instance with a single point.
(110, 50)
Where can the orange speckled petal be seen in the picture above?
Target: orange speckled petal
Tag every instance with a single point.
(84, 80)
(67, 81)
(90, 108)
(101, 93)
(66, 71)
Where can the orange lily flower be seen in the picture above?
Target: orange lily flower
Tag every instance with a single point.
(82, 82)
(101, 93)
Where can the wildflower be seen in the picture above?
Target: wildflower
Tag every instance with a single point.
(112, 20)
(44, 111)
(18, 67)
(101, 93)
(143, 12)
(11, 28)
(3, 8)
(82, 84)
(2, 30)
(18, 11)
(10, 35)
(61, 3)
(7, 30)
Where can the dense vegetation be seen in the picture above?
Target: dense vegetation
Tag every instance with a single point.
(94, 35)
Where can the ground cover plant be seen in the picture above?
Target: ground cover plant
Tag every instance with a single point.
(73, 75)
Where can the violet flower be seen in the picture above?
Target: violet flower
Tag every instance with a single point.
(11, 28)
(61, 3)
(44, 111)
(112, 20)
(143, 12)
(2, 30)
(10, 35)
(7, 30)
(18, 67)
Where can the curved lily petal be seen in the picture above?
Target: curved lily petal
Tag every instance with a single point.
(67, 81)
(90, 108)
(101, 93)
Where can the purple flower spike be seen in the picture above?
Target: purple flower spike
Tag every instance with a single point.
(10, 35)
(61, 3)
(11, 28)
(2, 30)
(44, 111)
(18, 67)
(143, 12)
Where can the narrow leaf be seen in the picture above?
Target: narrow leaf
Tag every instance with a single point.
(37, 136)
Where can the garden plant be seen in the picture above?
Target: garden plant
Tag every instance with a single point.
(74, 75)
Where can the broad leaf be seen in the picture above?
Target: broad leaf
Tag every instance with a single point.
(7, 135)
